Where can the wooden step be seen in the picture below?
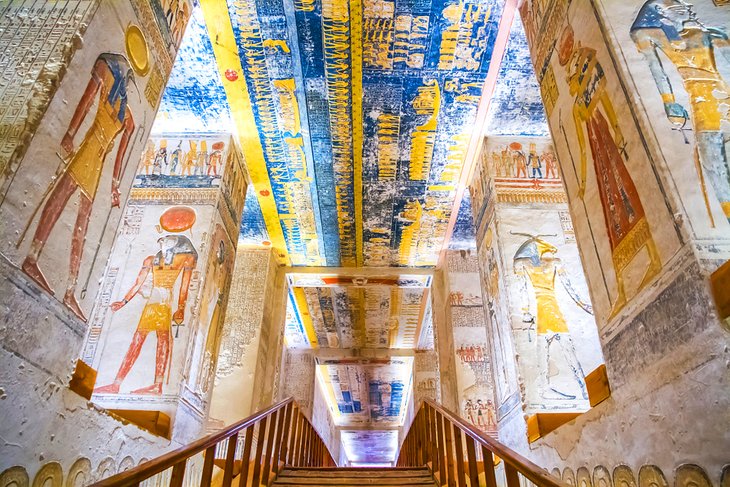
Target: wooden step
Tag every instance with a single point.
(346, 477)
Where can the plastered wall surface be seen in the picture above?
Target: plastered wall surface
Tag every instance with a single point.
(43, 421)
(155, 332)
(474, 374)
(233, 393)
(323, 422)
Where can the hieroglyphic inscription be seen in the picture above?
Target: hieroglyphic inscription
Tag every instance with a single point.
(277, 120)
(38, 39)
(245, 308)
(338, 73)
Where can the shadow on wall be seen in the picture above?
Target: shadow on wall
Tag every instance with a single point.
(686, 475)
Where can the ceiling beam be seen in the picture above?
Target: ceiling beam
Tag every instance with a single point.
(362, 271)
(369, 427)
(348, 353)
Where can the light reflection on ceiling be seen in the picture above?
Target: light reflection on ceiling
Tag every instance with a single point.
(370, 448)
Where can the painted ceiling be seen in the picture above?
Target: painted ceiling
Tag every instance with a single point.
(370, 447)
(194, 100)
(516, 107)
(330, 311)
(354, 118)
(367, 392)
(354, 122)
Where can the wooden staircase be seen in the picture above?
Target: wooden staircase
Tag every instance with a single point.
(346, 477)
(279, 447)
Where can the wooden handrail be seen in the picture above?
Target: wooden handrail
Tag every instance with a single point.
(282, 444)
(435, 436)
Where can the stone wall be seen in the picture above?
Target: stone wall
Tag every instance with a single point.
(233, 394)
(637, 132)
(75, 112)
(474, 376)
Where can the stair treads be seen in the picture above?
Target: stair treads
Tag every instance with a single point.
(354, 477)
(356, 473)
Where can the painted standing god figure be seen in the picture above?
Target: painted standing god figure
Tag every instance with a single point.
(672, 27)
(177, 255)
(110, 79)
(623, 212)
(535, 261)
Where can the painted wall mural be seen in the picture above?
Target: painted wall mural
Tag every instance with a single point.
(492, 274)
(332, 311)
(474, 374)
(387, 100)
(153, 284)
(371, 392)
(183, 162)
(23, 103)
(85, 128)
(426, 381)
(524, 169)
(627, 226)
(676, 56)
(540, 278)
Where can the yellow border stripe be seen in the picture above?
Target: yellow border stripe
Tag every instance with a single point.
(220, 31)
(301, 302)
(357, 135)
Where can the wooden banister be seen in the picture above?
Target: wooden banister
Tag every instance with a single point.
(271, 449)
(450, 444)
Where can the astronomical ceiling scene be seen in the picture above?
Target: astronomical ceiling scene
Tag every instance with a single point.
(355, 119)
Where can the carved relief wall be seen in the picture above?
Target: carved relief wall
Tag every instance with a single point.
(233, 393)
(74, 171)
(636, 106)
(531, 240)
(474, 374)
(81, 83)
(156, 330)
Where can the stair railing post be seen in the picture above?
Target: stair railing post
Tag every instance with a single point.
(280, 442)
(178, 474)
(441, 448)
(246, 458)
(448, 434)
(417, 443)
(207, 474)
(488, 460)
(296, 437)
(511, 475)
(261, 439)
(459, 447)
(433, 439)
(230, 457)
(427, 435)
(274, 419)
(289, 460)
(471, 455)
(300, 439)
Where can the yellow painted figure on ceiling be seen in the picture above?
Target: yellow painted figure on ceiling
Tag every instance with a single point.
(535, 262)
(672, 28)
